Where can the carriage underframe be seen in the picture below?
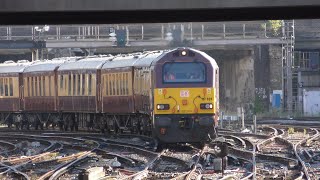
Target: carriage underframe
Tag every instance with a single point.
(109, 123)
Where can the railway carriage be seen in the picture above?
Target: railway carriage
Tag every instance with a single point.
(126, 92)
(79, 91)
(40, 92)
(11, 91)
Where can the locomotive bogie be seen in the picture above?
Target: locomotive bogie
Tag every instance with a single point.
(183, 128)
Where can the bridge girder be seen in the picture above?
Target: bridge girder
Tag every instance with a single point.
(147, 11)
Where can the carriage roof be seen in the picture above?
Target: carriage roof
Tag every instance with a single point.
(132, 60)
(13, 67)
(45, 66)
(85, 64)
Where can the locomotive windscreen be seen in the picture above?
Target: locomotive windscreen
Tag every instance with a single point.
(184, 72)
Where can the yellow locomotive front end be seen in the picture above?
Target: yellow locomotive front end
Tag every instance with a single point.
(185, 101)
(185, 97)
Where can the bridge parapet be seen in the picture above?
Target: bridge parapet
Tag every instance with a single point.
(190, 31)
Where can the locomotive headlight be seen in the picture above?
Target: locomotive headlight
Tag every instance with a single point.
(163, 106)
(206, 106)
(183, 53)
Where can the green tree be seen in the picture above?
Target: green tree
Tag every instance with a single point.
(275, 26)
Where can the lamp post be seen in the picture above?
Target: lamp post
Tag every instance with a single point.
(41, 31)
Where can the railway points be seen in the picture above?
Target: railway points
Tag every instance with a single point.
(281, 151)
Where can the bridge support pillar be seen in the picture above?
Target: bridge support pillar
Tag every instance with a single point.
(88, 52)
(35, 54)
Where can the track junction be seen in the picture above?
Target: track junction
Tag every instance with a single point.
(276, 152)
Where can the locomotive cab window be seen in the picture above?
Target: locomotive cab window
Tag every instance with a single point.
(184, 72)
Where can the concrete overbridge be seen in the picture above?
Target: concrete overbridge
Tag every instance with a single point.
(144, 11)
(145, 36)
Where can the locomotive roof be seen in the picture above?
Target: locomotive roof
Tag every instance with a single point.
(205, 55)
(87, 63)
(12, 67)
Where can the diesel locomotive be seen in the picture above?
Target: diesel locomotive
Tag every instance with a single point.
(171, 94)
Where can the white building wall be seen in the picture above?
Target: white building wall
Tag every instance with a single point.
(311, 102)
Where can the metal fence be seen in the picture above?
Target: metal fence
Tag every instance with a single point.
(190, 31)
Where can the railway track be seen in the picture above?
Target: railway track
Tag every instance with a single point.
(281, 152)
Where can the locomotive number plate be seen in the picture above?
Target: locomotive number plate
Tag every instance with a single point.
(184, 93)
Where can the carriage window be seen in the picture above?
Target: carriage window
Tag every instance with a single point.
(110, 84)
(61, 82)
(11, 86)
(32, 86)
(1, 87)
(126, 84)
(44, 86)
(78, 85)
(50, 86)
(40, 86)
(25, 86)
(83, 83)
(74, 84)
(184, 72)
(121, 83)
(117, 84)
(6, 87)
(106, 83)
(69, 85)
(89, 84)
(36, 85)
